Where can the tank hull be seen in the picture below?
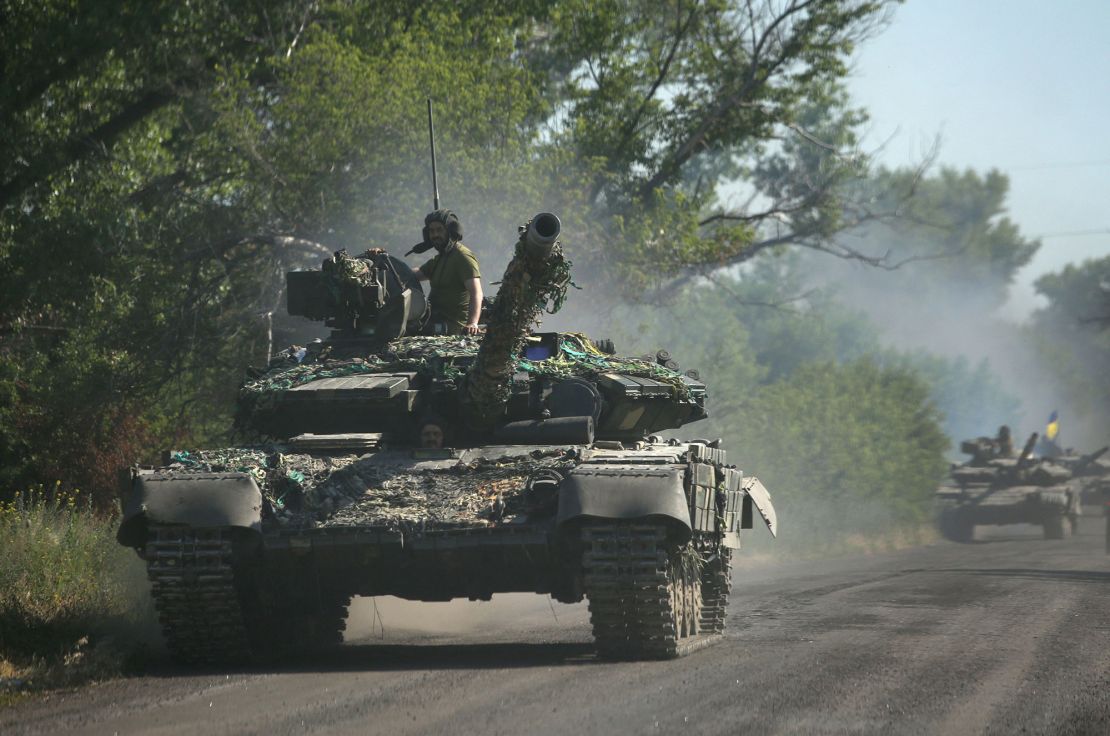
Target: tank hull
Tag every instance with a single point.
(571, 522)
(1056, 509)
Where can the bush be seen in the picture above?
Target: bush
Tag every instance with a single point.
(68, 591)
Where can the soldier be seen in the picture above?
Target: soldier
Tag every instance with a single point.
(432, 433)
(456, 283)
(1005, 442)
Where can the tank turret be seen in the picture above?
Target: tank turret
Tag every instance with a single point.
(377, 374)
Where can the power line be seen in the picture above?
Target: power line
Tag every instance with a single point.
(1074, 233)
(1057, 165)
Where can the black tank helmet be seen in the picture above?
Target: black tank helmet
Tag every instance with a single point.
(450, 220)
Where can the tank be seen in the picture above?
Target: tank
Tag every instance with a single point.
(386, 461)
(1090, 474)
(997, 486)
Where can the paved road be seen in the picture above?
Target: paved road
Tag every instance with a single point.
(1008, 635)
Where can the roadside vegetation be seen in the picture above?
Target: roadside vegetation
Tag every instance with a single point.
(73, 604)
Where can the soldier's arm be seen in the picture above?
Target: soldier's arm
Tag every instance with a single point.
(420, 275)
(474, 289)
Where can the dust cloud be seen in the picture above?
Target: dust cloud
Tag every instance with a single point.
(953, 322)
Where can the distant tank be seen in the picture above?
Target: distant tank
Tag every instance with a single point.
(998, 487)
(387, 462)
(1090, 474)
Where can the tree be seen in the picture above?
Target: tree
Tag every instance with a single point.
(162, 167)
(667, 100)
(164, 163)
(1074, 343)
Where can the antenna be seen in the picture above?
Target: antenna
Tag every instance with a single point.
(432, 141)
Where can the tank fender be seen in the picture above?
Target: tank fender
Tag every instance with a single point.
(199, 500)
(615, 492)
(759, 497)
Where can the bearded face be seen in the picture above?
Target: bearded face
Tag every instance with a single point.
(437, 235)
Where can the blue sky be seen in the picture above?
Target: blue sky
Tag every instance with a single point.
(1016, 85)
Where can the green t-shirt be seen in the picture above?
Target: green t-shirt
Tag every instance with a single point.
(448, 275)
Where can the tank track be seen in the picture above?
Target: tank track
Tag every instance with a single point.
(208, 616)
(193, 585)
(629, 579)
(716, 585)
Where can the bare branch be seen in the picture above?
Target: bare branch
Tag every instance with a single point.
(752, 81)
(780, 305)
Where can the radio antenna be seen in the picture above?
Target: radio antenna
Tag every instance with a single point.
(432, 141)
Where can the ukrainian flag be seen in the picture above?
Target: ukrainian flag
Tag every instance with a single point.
(1053, 427)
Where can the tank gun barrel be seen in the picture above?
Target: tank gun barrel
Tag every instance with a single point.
(1089, 459)
(536, 277)
(541, 234)
(1026, 456)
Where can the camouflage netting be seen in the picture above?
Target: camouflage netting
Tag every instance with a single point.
(307, 490)
(441, 357)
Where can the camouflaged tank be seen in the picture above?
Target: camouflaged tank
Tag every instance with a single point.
(550, 477)
(1090, 474)
(998, 487)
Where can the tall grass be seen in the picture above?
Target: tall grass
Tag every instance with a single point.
(71, 598)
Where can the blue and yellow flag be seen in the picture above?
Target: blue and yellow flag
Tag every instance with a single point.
(1053, 427)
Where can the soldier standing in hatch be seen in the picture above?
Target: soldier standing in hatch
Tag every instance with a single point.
(456, 282)
(1005, 442)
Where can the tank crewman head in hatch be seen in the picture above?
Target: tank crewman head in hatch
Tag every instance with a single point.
(1005, 441)
(432, 433)
(453, 274)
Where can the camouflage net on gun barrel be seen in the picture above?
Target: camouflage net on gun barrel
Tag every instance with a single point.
(536, 277)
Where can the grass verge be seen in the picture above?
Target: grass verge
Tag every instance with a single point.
(73, 603)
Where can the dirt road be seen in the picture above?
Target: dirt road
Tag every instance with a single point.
(1004, 636)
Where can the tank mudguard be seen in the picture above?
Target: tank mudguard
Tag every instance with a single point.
(624, 493)
(198, 500)
(760, 497)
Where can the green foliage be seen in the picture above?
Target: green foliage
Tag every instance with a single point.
(65, 586)
(969, 399)
(1073, 339)
(668, 100)
(136, 242)
(845, 448)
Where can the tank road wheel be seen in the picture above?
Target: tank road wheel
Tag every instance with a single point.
(716, 584)
(198, 604)
(1054, 527)
(645, 598)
